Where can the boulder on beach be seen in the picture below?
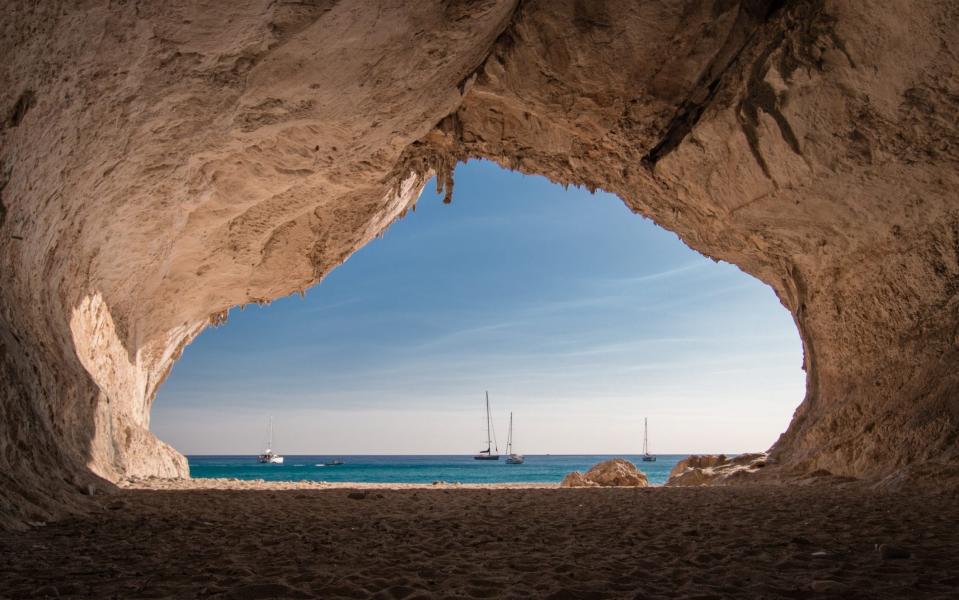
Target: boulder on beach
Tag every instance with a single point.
(617, 472)
(714, 469)
(699, 461)
(576, 479)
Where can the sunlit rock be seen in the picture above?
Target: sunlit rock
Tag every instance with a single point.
(576, 479)
(617, 472)
(711, 469)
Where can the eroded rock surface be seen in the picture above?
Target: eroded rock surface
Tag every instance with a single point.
(617, 472)
(576, 479)
(162, 162)
(713, 469)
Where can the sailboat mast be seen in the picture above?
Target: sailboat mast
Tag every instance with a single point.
(645, 435)
(269, 445)
(489, 436)
(509, 438)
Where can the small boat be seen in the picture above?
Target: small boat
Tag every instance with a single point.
(334, 462)
(490, 438)
(513, 458)
(647, 457)
(270, 457)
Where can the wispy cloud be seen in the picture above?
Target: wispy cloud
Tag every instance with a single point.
(697, 265)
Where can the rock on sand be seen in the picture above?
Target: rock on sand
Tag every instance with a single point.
(617, 472)
(712, 469)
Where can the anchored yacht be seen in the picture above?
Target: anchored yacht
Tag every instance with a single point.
(647, 457)
(269, 456)
(490, 438)
(513, 458)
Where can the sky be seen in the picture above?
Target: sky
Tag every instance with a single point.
(577, 315)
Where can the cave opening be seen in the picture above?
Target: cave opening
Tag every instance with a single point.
(161, 163)
(580, 317)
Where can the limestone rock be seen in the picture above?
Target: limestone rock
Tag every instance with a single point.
(926, 477)
(576, 479)
(706, 469)
(699, 461)
(617, 472)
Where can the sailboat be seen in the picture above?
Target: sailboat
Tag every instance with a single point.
(647, 457)
(513, 458)
(269, 456)
(488, 453)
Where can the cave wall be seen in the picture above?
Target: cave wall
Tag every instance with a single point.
(815, 147)
(162, 162)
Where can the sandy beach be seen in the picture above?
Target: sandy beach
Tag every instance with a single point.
(263, 485)
(193, 540)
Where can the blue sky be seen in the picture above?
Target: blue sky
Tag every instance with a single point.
(579, 316)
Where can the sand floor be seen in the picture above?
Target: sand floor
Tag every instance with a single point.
(745, 542)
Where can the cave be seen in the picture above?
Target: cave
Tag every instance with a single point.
(160, 164)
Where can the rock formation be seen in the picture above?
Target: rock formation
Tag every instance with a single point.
(617, 472)
(576, 479)
(713, 469)
(161, 163)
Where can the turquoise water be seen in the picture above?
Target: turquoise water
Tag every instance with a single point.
(419, 469)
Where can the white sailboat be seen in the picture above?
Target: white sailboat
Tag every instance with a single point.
(490, 438)
(513, 458)
(269, 456)
(647, 457)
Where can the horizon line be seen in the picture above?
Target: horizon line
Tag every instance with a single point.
(197, 454)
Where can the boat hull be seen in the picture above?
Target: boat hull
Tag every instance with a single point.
(515, 459)
(486, 457)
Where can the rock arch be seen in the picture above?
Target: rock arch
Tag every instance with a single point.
(162, 163)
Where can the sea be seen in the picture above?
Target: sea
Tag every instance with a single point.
(538, 468)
